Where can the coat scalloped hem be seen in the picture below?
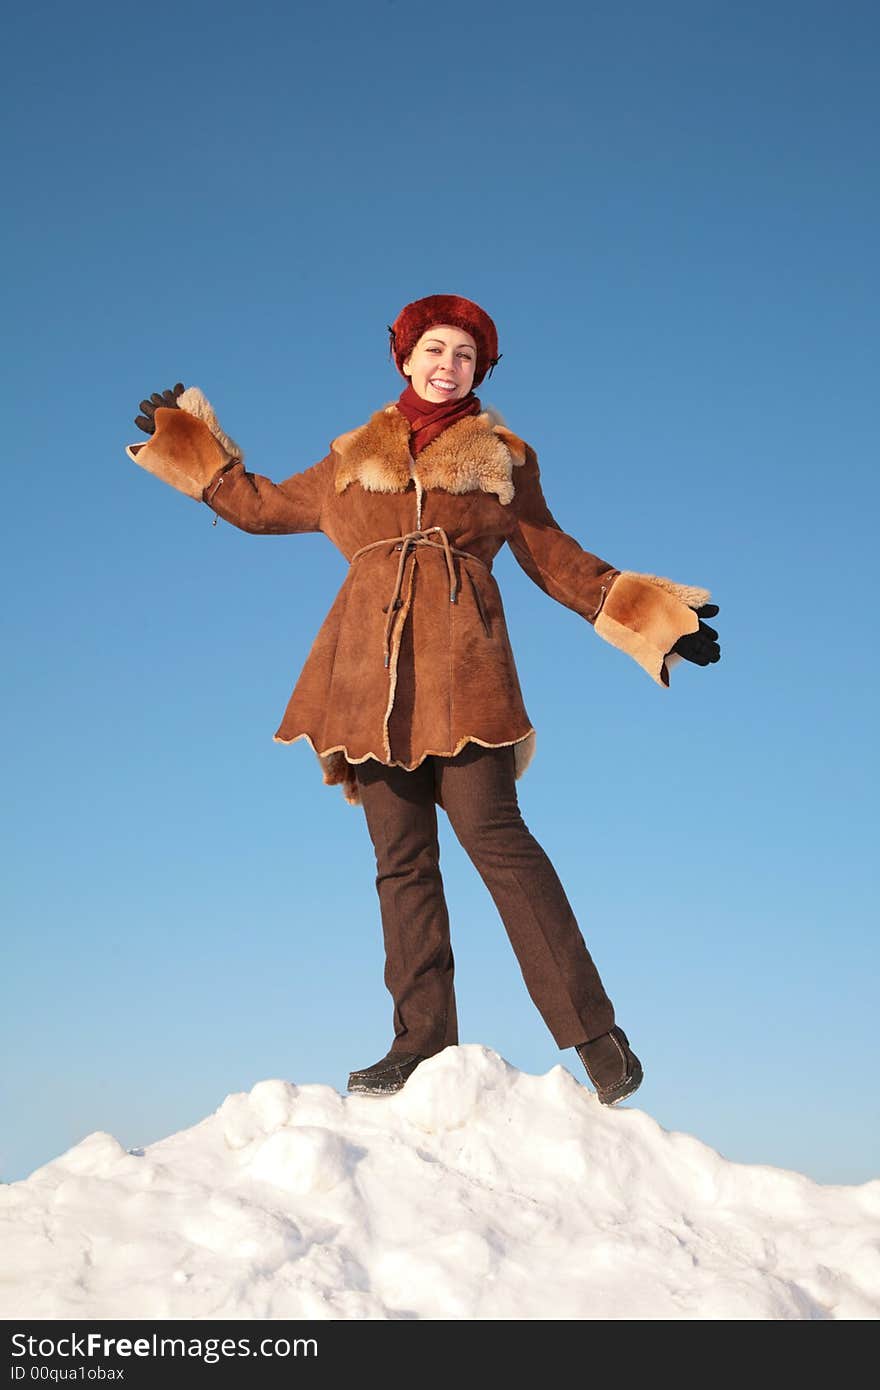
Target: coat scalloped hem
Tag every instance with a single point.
(337, 765)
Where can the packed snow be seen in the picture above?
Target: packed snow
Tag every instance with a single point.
(477, 1192)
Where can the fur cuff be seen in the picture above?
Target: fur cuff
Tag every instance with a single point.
(188, 448)
(644, 615)
(184, 452)
(196, 403)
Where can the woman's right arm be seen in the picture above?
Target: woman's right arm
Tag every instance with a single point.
(190, 451)
(256, 504)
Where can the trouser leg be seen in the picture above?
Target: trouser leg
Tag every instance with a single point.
(402, 820)
(478, 793)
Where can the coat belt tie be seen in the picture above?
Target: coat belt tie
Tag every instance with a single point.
(405, 544)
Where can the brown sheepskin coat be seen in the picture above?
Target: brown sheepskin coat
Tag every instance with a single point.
(414, 656)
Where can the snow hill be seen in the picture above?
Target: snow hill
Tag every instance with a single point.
(477, 1192)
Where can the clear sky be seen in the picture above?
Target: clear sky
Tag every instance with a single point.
(672, 214)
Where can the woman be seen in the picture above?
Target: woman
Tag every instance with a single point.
(410, 695)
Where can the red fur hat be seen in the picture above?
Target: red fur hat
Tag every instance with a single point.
(416, 318)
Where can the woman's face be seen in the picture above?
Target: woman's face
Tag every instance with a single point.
(441, 366)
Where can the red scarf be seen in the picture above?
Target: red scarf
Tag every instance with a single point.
(427, 420)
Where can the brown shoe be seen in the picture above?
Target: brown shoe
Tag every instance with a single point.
(386, 1077)
(611, 1065)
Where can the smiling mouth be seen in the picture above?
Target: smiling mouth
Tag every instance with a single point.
(444, 386)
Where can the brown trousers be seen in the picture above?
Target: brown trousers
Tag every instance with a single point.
(478, 793)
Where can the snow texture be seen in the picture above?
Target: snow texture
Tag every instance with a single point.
(477, 1192)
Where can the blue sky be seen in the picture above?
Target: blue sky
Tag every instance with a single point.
(672, 214)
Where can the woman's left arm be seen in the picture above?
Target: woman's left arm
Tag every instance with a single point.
(652, 619)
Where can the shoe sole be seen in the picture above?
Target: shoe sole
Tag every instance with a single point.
(374, 1090)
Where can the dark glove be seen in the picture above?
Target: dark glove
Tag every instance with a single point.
(167, 400)
(701, 646)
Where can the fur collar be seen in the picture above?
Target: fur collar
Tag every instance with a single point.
(475, 454)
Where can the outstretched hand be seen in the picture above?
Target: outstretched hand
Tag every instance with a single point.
(701, 646)
(167, 400)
